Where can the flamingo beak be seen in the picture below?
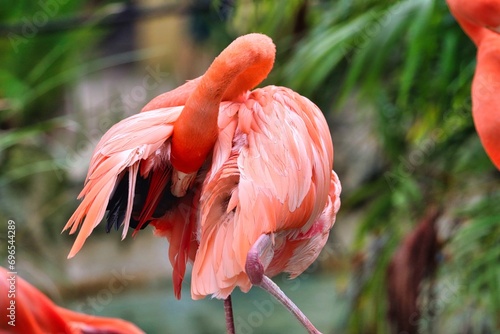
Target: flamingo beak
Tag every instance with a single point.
(181, 182)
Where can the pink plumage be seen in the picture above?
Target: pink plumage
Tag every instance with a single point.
(268, 175)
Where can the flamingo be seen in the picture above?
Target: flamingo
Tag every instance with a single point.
(27, 310)
(480, 20)
(240, 182)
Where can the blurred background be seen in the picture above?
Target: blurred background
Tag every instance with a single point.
(416, 244)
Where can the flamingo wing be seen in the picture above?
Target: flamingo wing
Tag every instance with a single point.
(295, 252)
(179, 225)
(285, 167)
(136, 144)
(276, 178)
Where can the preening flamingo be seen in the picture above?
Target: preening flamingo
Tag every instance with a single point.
(27, 310)
(240, 182)
(480, 19)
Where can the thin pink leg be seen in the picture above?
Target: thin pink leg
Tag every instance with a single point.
(228, 309)
(255, 271)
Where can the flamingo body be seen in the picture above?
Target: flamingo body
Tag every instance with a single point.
(271, 173)
(226, 174)
(486, 97)
(266, 176)
(481, 22)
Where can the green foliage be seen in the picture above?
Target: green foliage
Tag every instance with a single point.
(38, 66)
(476, 252)
(35, 62)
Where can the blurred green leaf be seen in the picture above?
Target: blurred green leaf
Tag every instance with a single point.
(16, 136)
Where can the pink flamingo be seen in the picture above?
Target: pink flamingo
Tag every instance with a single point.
(27, 310)
(240, 182)
(480, 20)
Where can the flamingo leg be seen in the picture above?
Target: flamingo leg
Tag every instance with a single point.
(228, 309)
(259, 253)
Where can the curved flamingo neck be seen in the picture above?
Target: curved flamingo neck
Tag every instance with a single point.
(474, 31)
(240, 67)
(478, 18)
